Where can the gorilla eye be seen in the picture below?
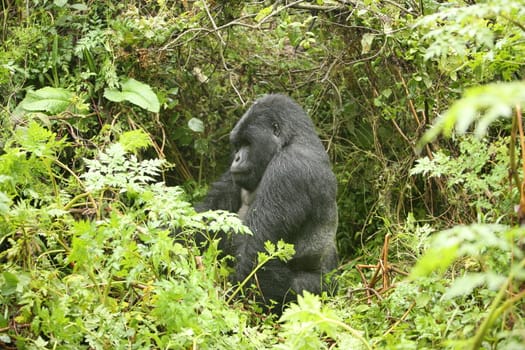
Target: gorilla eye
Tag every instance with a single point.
(276, 129)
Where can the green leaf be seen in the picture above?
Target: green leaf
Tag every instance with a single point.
(466, 284)
(48, 99)
(366, 42)
(138, 93)
(79, 7)
(480, 105)
(5, 203)
(263, 13)
(135, 140)
(434, 260)
(38, 140)
(196, 125)
(10, 283)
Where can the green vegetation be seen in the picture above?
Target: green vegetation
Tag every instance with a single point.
(114, 116)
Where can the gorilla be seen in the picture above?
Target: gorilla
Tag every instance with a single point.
(281, 185)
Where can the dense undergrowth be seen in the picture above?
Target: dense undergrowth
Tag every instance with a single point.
(115, 115)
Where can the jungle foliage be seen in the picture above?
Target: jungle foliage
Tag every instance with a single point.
(115, 115)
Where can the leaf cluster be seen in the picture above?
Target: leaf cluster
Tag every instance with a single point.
(118, 277)
(475, 176)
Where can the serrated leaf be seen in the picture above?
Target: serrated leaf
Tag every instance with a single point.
(464, 285)
(134, 140)
(134, 91)
(196, 125)
(480, 105)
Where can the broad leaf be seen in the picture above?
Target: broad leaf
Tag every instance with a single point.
(48, 99)
(138, 93)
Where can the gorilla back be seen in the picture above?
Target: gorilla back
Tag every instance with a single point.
(281, 184)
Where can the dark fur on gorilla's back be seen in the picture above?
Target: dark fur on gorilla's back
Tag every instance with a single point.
(282, 186)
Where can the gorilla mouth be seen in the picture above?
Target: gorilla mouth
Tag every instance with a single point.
(244, 179)
(239, 175)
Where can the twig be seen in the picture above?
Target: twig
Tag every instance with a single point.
(401, 319)
(395, 4)
(522, 137)
(410, 103)
(521, 208)
(215, 29)
(273, 13)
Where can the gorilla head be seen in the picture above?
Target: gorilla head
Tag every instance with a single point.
(255, 139)
(281, 184)
(271, 124)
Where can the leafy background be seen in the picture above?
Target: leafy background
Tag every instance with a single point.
(115, 117)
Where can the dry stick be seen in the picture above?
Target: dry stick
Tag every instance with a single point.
(522, 146)
(382, 266)
(386, 268)
(407, 92)
(365, 281)
(522, 137)
(513, 172)
(371, 290)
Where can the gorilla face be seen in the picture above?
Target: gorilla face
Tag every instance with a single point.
(256, 139)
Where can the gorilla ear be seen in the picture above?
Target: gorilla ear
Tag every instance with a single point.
(276, 129)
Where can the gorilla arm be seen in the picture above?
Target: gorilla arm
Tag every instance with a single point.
(223, 195)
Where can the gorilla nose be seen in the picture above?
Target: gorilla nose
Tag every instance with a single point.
(236, 166)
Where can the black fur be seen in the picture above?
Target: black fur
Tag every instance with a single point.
(282, 186)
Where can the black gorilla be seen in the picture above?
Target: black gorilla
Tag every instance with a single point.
(281, 184)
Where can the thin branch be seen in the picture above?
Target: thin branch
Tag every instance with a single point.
(522, 136)
(215, 29)
(401, 319)
(280, 10)
(312, 7)
(516, 23)
(407, 11)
